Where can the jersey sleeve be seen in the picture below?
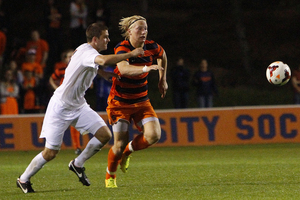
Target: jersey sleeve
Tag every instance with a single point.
(89, 58)
(159, 51)
(121, 48)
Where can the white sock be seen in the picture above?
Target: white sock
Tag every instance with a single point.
(35, 165)
(130, 146)
(91, 149)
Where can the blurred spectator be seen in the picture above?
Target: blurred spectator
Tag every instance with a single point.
(17, 73)
(101, 13)
(37, 72)
(57, 77)
(79, 12)
(59, 69)
(65, 58)
(180, 81)
(296, 84)
(2, 46)
(29, 86)
(19, 78)
(205, 83)
(31, 65)
(9, 92)
(41, 47)
(102, 88)
(53, 19)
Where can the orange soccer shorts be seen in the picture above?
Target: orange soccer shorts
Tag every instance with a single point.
(117, 110)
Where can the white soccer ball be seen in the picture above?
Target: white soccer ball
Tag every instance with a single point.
(278, 73)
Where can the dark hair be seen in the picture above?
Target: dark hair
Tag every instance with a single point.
(94, 30)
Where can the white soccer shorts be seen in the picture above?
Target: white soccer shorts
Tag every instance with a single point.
(58, 118)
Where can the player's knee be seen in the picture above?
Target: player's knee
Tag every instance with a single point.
(107, 135)
(119, 147)
(153, 137)
(49, 154)
(152, 132)
(103, 135)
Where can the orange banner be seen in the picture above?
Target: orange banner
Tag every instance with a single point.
(217, 126)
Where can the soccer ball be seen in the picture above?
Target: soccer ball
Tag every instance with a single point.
(278, 73)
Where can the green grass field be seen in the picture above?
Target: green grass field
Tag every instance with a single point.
(217, 172)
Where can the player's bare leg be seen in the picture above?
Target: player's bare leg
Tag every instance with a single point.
(102, 136)
(150, 136)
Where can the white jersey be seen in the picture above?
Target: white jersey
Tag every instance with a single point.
(79, 76)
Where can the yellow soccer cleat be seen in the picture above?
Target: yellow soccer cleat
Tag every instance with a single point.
(124, 164)
(111, 183)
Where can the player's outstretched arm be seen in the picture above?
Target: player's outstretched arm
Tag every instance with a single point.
(107, 75)
(162, 83)
(131, 70)
(112, 59)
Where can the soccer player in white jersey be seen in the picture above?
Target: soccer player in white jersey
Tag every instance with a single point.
(69, 107)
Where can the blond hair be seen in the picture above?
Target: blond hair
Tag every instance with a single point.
(126, 23)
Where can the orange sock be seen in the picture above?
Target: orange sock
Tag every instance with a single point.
(75, 135)
(138, 143)
(112, 164)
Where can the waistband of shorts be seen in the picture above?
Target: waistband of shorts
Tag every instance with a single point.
(66, 105)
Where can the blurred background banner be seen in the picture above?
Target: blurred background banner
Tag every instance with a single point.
(188, 127)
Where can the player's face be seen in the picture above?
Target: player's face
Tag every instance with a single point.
(139, 31)
(103, 41)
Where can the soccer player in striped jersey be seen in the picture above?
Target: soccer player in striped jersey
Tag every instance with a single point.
(128, 99)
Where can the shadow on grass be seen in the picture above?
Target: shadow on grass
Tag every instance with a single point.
(40, 191)
(57, 190)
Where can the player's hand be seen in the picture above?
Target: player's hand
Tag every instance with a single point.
(109, 75)
(152, 67)
(162, 87)
(136, 52)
